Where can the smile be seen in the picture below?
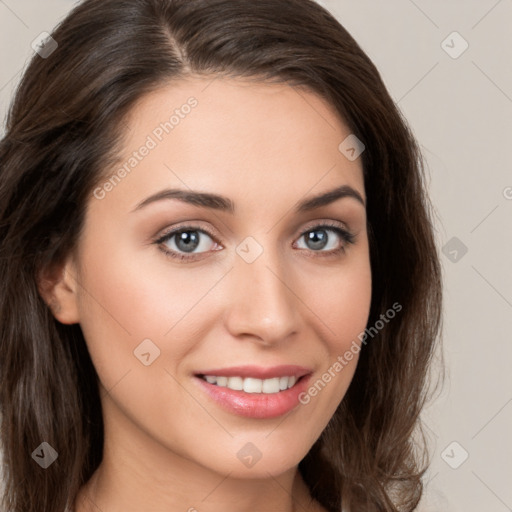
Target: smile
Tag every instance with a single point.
(255, 392)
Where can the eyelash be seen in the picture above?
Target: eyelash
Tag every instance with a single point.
(345, 235)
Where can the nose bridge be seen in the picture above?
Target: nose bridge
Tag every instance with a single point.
(264, 304)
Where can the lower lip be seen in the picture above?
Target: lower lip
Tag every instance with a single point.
(256, 405)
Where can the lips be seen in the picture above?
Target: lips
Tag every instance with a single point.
(253, 391)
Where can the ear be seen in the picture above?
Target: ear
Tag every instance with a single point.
(58, 287)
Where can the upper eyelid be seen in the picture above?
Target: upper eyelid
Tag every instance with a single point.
(326, 223)
(167, 233)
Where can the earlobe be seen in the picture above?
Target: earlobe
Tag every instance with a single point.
(58, 287)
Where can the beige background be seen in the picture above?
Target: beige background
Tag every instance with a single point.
(461, 111)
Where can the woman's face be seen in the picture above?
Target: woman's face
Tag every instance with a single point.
(255, 293)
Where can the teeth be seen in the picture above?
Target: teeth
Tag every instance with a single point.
(222, 381)
(252, 385)
(236, 383)
(270, 385)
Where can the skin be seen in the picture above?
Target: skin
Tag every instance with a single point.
(168, 446)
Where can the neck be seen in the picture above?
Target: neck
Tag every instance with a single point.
(139, 473)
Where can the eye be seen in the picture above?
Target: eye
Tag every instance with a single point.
(187, 242)
(328, 238)
(182, 241)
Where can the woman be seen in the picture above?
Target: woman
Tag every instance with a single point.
(220, 287)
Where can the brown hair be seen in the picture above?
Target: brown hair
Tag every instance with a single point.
(63, 129)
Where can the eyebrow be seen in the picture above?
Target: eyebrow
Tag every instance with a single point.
(222, 203)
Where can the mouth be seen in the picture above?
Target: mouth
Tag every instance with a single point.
(255, 392)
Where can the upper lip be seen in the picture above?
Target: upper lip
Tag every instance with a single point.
(259, 372)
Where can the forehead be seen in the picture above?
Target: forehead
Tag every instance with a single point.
(235, 136)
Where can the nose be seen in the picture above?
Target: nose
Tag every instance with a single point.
(264, 306)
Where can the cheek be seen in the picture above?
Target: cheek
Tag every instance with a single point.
(342, 303)
(342, 306)
(124, 301)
